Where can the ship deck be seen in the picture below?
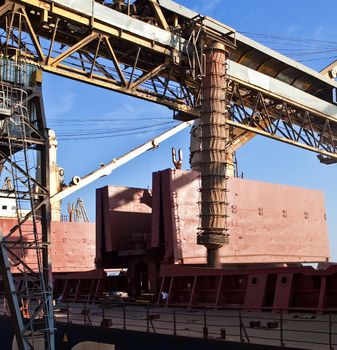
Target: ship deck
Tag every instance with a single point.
(290, 330)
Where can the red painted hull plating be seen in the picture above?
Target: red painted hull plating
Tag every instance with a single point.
(72, 245)
(268, 223)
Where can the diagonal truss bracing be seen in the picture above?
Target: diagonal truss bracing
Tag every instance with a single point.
(24, 246)
(82, 47)
(278, 119)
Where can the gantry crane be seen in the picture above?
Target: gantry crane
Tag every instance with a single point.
(164, 53)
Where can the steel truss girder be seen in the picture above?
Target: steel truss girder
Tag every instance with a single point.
(97, 56)
(259, 112)
(12, 302)
(125, 62)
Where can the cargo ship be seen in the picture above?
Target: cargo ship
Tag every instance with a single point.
(142, 251)
(204, 258)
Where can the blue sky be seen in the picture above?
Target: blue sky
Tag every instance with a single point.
(261, 159)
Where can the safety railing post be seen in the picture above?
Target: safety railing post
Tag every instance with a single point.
(281, 329)
(147, 320)
(84, 314)
(240, 325)
(103, 312)
(205, 328)
(330, 332)
(174, 321)
(124, 317)
(68, 316)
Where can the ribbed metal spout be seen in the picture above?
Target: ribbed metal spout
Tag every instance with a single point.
(213, 167)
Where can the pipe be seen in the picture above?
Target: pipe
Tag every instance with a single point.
(213, 258)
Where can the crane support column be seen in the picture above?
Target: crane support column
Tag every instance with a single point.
(213, 167)
(25, 156)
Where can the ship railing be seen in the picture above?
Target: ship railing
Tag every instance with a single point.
(282, 328)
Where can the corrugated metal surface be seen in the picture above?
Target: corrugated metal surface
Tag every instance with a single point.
(14, 73)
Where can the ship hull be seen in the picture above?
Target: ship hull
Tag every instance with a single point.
(73, 245)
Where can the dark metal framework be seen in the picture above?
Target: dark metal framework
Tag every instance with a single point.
(62, 42)
(24, 158)
(284, 121)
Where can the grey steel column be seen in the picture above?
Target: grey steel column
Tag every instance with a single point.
(213, 169)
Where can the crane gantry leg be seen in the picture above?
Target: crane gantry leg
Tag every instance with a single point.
(24, 247)
(13, 303)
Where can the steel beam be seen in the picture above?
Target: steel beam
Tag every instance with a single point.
(13, 303)
(272, 87)
(275, 61)
(30, 192)
(161, 72)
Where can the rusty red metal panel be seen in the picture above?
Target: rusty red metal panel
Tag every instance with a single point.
(156, 218)
(181, 213)
(99, 228)
(331, 291)
(90, 274)
(72, 245)
(283, 290)
(172, 241)
(106, 219)
(268, 223)
(255, 292)
(276, 223)
(278, 288)
(126, 218)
